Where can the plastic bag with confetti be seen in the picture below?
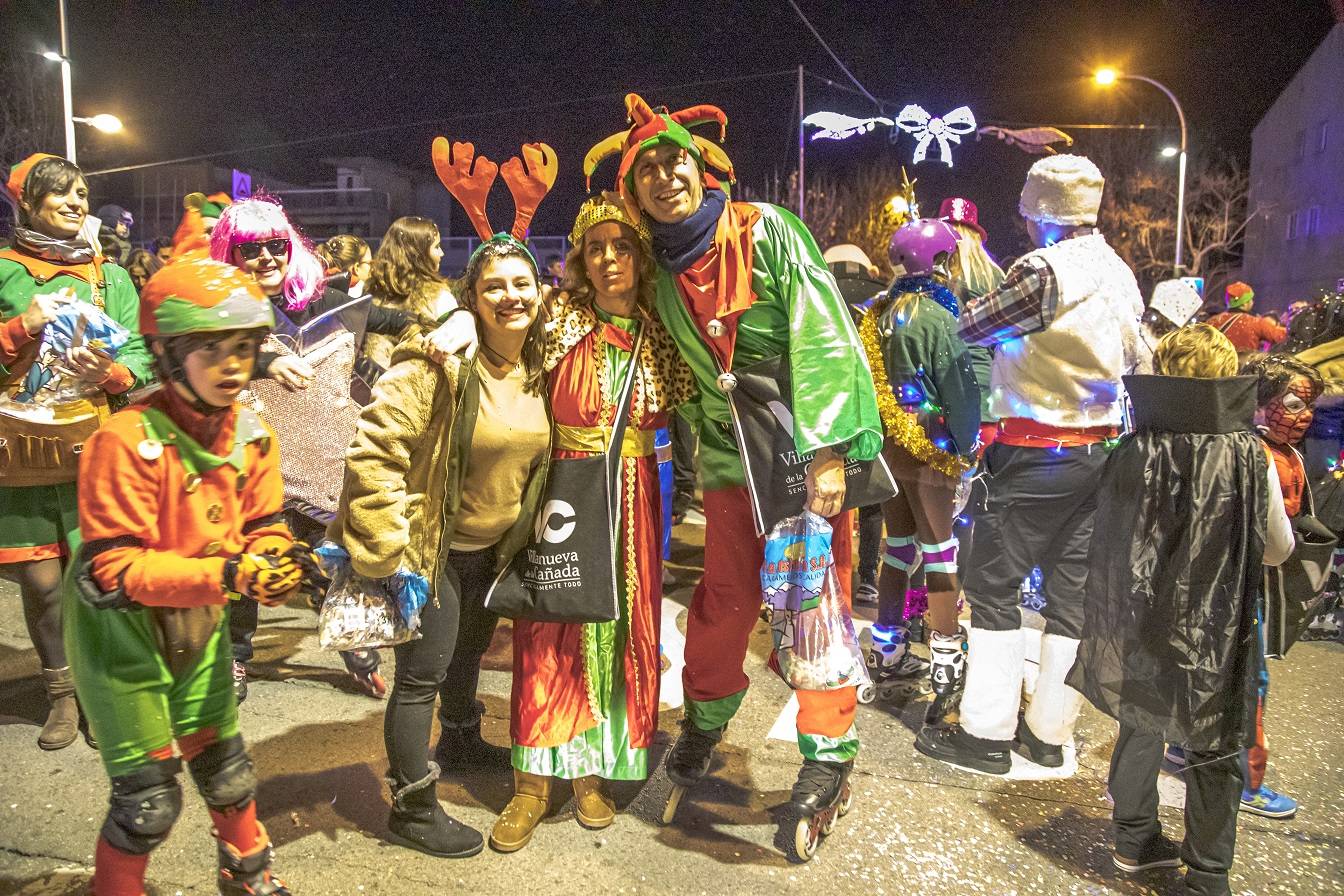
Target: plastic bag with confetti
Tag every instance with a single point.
(816, 648)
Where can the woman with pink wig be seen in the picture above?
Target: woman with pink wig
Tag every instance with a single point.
(256, 236)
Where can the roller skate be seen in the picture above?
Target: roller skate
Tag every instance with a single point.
(896, 672)
(688, 762)
(947, 675)
(1328, 626)
(248, 875)
(820, 796)
(1029, 592)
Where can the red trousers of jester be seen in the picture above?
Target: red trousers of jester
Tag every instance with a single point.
(724, 610)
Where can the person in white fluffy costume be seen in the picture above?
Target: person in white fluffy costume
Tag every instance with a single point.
(1065, 324)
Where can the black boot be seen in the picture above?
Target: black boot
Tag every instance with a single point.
(688, 760)
(419, 822)
(461, 746)
(248, 875)
(1035, 749)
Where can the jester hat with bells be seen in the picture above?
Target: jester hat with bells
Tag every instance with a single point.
(650, 128)
(469, 177)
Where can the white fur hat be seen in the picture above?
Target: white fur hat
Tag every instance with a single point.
(1062, 189)
(1176, 300)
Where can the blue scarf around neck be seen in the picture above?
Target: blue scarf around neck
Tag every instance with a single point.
(678, 246)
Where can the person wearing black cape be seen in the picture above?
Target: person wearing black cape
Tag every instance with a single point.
(1189, 507)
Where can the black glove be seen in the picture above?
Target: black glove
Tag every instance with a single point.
(314, 582)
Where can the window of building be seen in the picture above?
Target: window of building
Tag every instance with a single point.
(1322, 136)
(1300, 146)
(1312, 227)
(1292, 226)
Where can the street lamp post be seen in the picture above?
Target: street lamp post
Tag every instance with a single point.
(108, 124)
(1105, 77)
(65, 89)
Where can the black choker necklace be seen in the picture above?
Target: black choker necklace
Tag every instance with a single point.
(499, 359)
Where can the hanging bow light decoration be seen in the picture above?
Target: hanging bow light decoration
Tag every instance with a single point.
(949, 129)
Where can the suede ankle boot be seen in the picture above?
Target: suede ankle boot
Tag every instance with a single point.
(62, 725)
(515, 825)
(419, 822)
(462, 748)
(595, 810)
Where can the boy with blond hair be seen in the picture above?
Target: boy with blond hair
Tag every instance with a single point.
(1188, 509)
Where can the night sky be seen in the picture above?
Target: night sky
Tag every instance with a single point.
(192, 77)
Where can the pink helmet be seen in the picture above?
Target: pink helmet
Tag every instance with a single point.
(916, 247)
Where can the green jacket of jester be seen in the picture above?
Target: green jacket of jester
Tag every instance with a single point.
(796, 311)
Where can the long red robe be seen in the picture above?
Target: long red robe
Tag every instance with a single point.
(550, 704)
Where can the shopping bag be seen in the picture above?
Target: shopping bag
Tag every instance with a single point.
(816, 648)
(567, 572)
(761, 399)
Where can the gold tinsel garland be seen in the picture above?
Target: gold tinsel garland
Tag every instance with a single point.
(902, 426)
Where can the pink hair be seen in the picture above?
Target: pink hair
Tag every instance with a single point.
(263, 218)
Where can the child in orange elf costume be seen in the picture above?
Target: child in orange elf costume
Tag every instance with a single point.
(180, 509)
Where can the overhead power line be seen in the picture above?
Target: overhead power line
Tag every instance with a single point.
(468, 116)
(825, 46)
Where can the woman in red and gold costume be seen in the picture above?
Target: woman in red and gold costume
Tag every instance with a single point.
(585, 696)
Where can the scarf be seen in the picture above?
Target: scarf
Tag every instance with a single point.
(212, 428)
(76, 251)
(929, 287)
(677, 246)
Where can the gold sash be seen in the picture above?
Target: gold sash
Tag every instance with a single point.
(594, 439)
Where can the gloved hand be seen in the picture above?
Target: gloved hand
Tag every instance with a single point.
(270, 578)
(314, 581)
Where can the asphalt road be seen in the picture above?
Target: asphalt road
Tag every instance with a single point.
(917, 827)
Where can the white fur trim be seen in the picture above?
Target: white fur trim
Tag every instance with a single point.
(1054, 707)
(1062, 189)
(993, 683)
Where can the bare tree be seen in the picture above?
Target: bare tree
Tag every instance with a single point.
(843, 209)
(30, 107)
(1138, 212)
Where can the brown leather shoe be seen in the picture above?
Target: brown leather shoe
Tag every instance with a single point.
(514, 827)
(594, 808)
(62, 725)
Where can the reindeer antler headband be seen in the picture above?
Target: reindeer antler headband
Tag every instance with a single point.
(649, 128)
(528, 180)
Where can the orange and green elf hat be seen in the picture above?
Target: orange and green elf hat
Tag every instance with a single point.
(18, 174)
(650, 128)
(196, 294)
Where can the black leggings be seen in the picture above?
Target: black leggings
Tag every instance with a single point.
(444, 662)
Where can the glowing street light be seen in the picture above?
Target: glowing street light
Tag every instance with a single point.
(1106, 77)
(108, 124)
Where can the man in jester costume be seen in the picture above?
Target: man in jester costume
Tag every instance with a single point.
(738, 283)
(180, 509)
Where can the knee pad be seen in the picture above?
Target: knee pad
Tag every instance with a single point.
(941, 557)
(223, 774)
(901, 553)
(143, 807)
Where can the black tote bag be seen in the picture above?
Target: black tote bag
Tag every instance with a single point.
(760, 396)
(1295, 590)
(567, 571)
